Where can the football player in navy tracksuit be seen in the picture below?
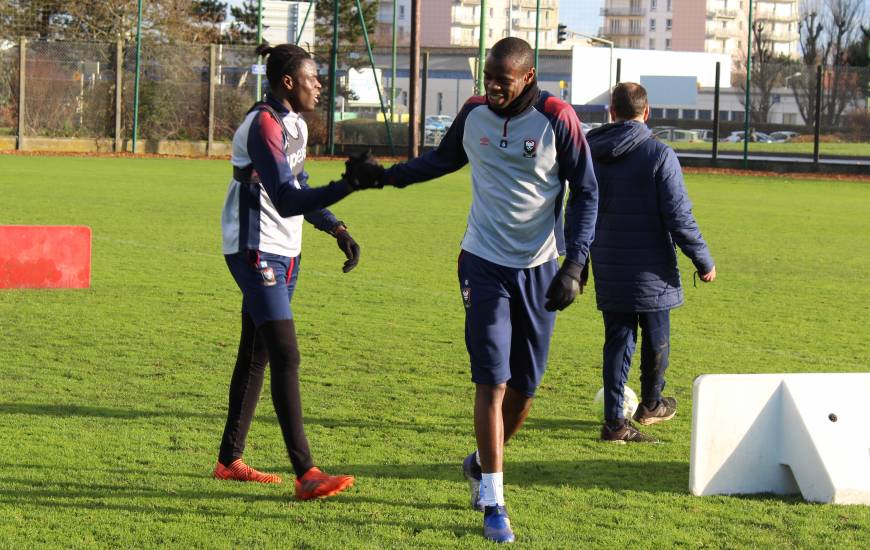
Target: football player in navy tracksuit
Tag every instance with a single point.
(524, 146)
(262, 236)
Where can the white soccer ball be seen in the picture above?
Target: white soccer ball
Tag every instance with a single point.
(629, 403)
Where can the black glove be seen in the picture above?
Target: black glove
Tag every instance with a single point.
(362, 171)
(347, 245)
(566, 285)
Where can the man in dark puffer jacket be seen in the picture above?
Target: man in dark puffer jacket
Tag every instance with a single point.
(643, 212)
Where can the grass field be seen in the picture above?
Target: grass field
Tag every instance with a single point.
(113, 398)
(837, 149)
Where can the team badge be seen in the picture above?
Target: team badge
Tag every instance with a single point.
(530, 148)
(466, 296)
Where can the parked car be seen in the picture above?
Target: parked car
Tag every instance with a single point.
(675, 134)
(435, 127)
(737, 137)
(704, 134)
(783, 137)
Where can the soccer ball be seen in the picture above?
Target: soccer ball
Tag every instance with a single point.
(629, 403)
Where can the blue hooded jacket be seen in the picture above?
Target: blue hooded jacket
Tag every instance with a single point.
(643, 211)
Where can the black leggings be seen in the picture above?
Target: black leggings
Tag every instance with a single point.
(273, 342)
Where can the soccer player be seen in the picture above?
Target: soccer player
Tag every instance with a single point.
(644, 210)
(524, 146)
(262, 236)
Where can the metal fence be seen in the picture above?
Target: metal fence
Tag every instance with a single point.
(71, 92)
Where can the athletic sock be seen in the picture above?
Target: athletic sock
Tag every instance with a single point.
(492, 489)
(477, 457)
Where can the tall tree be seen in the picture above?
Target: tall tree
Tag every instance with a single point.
(828, 28)
(769, 71)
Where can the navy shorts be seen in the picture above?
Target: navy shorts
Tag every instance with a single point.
(507, 329)
(267, 282)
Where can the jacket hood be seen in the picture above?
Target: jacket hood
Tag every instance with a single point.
(611, 141)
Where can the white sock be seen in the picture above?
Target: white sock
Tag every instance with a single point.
(492, 489)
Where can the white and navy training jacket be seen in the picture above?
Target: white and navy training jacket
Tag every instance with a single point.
(268, 216)
(520, 168)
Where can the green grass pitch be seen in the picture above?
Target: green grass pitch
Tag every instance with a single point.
(113, 398)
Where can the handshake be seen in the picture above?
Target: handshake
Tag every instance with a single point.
(362, 171)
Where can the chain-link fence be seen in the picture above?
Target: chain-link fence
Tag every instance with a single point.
(9, 90)
(69, 89)
(70, 92)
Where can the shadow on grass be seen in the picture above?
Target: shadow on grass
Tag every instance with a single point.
(644, 476)
(62, 410)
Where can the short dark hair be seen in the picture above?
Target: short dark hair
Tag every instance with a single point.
(628, 100)
(516, 48)
(282, 59)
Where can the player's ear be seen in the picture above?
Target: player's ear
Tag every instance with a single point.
(529, 76)
(287, 82)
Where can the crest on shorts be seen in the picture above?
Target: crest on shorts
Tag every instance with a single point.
(530, 147)
(466, 296)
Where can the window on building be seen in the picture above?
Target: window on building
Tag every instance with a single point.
(401, 12)
(669, 5)
(652, 24)
(737, 116)
(705, 114)
(634, 26)
(491, 12)
(653, 5)
(439, 102)
(634, 43)
(723, 116)
(614, 25)
(652, 43)
(405, 99)
(672, 114)
(690, 114)
(667, 43)
(669, 23)
(656, 113)
(490, 33)
(789, 118)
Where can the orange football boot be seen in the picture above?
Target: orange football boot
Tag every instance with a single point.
(316, 484)
(239, 471)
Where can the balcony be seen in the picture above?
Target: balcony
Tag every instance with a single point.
(624, 33)
(776, 17)
(722, 14)
(549, 4)
(522, 23)
(720, 33)
(623, 12)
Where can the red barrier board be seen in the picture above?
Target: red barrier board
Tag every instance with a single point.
(45, 256)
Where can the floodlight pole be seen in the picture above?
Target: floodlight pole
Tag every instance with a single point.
(136, 79)
(537, 29)
(481, 48)
(393, 64)
(333, 75)
(748, 82)
(362, 21)
(259, 41)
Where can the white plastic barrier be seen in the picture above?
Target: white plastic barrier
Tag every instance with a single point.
(784, 434)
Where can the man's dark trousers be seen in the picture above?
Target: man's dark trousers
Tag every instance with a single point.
(620, 339)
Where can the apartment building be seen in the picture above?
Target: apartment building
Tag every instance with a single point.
(446, 23)
(714, 26)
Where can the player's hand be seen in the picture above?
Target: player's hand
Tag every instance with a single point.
(709, 276)
(362, 171)
(566, 285)
(348, 246)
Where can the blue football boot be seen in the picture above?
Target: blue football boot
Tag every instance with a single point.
(471, 471)
(497, 524)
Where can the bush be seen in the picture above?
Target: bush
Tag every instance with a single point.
(857, 127)
(370, 132)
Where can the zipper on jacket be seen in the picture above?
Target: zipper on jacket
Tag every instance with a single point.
(504, 143)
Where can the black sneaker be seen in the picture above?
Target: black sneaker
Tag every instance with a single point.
(625, 433)
(665, 409)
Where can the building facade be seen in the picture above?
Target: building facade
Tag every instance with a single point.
(714, 26)
(446, 23)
